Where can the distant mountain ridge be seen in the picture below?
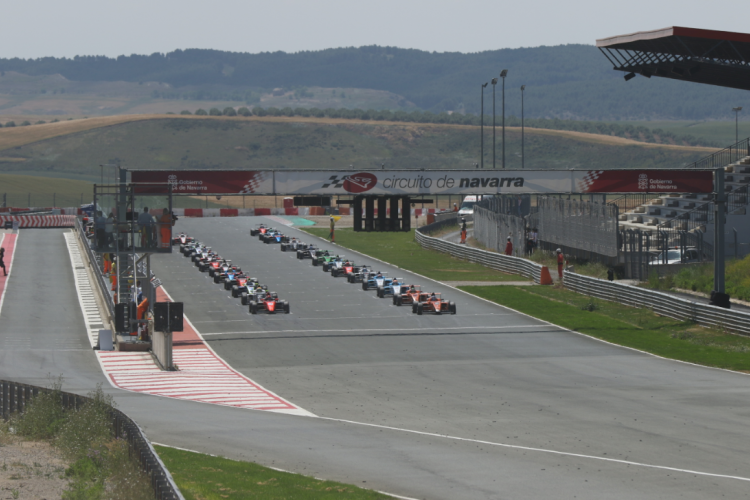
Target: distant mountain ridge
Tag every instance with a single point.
(566, 81)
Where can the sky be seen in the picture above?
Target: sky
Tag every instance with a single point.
(35, 28)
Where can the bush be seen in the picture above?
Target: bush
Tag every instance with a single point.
(44, 417)
(40, 122)
(214, 112)
(201, 112)
(25, 123)
(10, 124)
(243, 111)
(258, 111)
(185, 112)
(229, 111)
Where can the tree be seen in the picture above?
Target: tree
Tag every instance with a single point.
(258, 111)
(185, 112)
(214, 112)
(317, 112)
(287, 111)
(243, 111)
(229, 111)
(10, 124)
(273, 111)
(201, 112)
(302, 112)
(40, 122)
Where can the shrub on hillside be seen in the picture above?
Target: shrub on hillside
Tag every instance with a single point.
(243, 111)
(201, 112)
(185, 112)
(258, 111)
(229, 111)
(10, 124)
(214, 112)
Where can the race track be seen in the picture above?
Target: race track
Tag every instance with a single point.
(485, 404)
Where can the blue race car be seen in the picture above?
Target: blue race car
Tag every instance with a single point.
(390, 287)
(374, 280)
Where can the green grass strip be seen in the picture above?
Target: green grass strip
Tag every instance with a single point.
(204, 477)
(402, 250)
(633, 327)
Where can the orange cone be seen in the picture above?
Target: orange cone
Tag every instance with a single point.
(544, 277)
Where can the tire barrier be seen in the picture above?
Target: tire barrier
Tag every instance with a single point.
(15, 397)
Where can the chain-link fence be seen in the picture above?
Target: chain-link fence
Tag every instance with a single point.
(585, 229)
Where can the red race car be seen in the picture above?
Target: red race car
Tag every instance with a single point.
(268, 302)
(433, 304)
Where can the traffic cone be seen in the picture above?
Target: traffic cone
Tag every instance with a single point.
(544, 277)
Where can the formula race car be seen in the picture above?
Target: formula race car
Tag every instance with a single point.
(250, 290)
(360, 275)
(409, 295)
(291, 246)
(335, 262)
(433, 304)
(261, 229)
(268, 302)
(274, 237)
(239, 279)
(229, 274)
(345, 269)
(217, 266)
(374, 280)
(306, 251)
(321, 257)
(182, 239)
(204, 262)
(244, 286)
(390, 287)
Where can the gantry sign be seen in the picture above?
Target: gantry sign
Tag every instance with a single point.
(419, 182)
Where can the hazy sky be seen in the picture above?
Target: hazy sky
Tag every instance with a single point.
(34, 28)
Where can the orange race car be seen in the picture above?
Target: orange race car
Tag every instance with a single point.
(433, 304)
(409, 295)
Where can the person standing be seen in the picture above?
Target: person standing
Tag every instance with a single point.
(145, 221)
(109, 229)
(463, 231)
(166, 221)
(455, 207)
(560, 262)
(100, 224)
(509, 247)
(2, 264)
(333, 225)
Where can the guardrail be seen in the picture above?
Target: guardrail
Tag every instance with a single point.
(505, 263)
(661, 303)
(14, 397)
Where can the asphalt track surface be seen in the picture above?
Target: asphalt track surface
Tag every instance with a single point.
(485, 404)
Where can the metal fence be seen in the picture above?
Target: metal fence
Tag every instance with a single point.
(722, 158)
(492, 229)
(584, 228)
(664, 304)
(15, 397)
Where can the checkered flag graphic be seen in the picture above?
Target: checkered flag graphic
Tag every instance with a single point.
(335, 182)
(589, 179)
(254, 182)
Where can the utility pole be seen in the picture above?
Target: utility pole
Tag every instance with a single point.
(523, 154)
(494, 82)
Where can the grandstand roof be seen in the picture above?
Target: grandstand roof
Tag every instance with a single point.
(703, 56)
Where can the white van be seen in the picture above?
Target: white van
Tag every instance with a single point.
(467, 207)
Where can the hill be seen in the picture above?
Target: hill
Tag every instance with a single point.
(567, 81)
(75, 149)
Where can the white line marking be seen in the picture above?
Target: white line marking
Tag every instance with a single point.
(10, 268)
(393, 331)
(540, 450)
(90, 310)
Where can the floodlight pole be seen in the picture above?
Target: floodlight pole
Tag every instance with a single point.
(719, 202)
(737, 123)
(523, 87)
(503, 74)
(481, 128)
(494, 82)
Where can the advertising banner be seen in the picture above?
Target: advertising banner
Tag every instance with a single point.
(422, 182)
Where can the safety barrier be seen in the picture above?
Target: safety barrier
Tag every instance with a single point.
(661, 303)
(39, 220)
(14, 398)
(505, 263)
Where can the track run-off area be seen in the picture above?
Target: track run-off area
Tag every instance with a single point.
(489, 403)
